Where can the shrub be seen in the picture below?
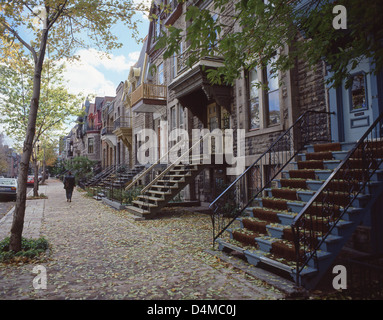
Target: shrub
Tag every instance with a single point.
(129, 195)
(30, 248)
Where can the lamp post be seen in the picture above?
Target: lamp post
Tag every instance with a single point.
(36, 170)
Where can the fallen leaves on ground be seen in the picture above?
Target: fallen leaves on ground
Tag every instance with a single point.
(100, 253)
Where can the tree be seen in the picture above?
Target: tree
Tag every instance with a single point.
(47, 154)
(81, 166)
(3, 156)
(64, 26)
(248, 33)
(56, 104)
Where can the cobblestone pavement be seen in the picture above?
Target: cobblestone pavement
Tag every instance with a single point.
(99, 253)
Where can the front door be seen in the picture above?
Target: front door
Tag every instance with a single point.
(357, 103)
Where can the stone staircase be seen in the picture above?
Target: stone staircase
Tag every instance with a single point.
(100, 176)
(163, 189)
(264, 234)
(115, 181)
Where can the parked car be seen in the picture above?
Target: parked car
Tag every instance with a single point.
(30, 181)
(8, 188)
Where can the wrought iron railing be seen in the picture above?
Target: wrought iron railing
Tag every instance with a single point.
(186, 155)
(122, 122)
(365, 277)
(188, 159)
(107, 130)
(335, 198)
(311, 126)
(149, 173)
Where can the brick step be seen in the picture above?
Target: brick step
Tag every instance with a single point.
(293, 206)
(338, 197)
(314, 185)
(335, 146)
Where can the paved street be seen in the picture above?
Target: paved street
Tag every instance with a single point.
(5, 206)
(100, 253)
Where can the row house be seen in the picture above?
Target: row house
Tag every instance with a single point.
(11, 162)
(311, 181)
(97, 133)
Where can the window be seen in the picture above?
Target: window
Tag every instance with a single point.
(264, 105)
(173, 118)
(90, 145)
(272, 97)
(176, 62)
(180, 59)
(158, 27)
(174, 65)
(182, 115)
(358, 92)
(160, 73)
(254, 100)
(214, 41)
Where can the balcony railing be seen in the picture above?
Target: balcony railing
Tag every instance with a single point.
(123, 122)
(107, 130)
(95, 127)
(148, 91)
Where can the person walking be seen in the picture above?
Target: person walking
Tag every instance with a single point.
(69, 183)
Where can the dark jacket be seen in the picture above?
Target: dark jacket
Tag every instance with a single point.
(69, 182)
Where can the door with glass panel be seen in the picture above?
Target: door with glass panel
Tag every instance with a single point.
(357, 103)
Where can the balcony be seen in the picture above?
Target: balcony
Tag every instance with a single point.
(107, 130)
(148, 98)
(123, 130)
(174, 13)
(193, 89)
(122, 122)
(93, 128)
(108, 136)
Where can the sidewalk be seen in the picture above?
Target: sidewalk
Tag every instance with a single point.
(99, 253)
(34, 214)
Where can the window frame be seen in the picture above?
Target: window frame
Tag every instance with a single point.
(160, 74)
(91, 145)
(263, 100)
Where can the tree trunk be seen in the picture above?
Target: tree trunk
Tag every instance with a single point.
(19, 213)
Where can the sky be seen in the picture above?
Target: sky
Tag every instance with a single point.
(100, 76)
(97, 75)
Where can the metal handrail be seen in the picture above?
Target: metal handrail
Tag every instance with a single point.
(174, 163)
(326, 185)
(294, 152)
(146, 171)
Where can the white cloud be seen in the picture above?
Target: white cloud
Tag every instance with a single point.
(94, 72)
(147, 3)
